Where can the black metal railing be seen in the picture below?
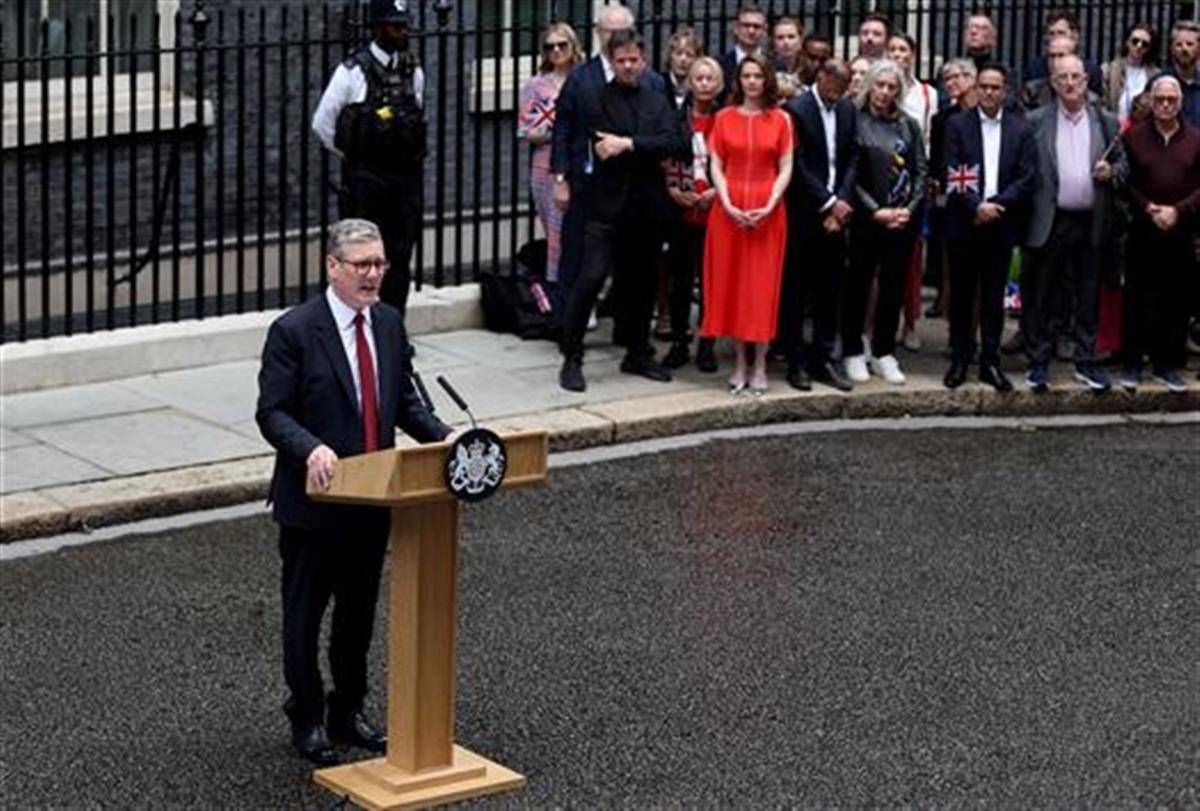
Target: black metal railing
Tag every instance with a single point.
(157, 161)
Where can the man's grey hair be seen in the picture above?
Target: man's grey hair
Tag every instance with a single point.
(1168, 79)
(878, 68)
(616, 15)
(966, 66)
(344, 232)
(1185, 25)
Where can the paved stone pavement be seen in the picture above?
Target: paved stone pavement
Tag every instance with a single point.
(156, 444)
(934, 618)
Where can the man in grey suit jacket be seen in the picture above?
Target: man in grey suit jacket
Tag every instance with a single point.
(1073, 217)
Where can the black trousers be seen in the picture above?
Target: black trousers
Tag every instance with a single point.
(345, 566)
(685, 262)
(813, 266)
(1068, 264)
(978, 263)
(570, 261)
(1157, 300)
(396, 206)
(875, 249)
(628, 249)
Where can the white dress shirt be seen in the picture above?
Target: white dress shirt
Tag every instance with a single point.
(991, 152)
(343, 316)
(829, 121)
(608, 68)
(349, 86)
(1073, 147)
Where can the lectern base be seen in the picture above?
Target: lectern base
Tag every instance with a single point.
(377, 785)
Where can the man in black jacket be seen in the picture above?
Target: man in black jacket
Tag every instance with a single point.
(991, 168)
(632, 128)
(335, 381)
(818, 213)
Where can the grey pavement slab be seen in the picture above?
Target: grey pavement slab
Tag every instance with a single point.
(32, 466)
(431, 358)
(224, 393)
(13, 439)
(137, 443)
(505, 351)
(71, 403)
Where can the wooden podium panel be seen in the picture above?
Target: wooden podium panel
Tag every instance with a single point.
(423, 766)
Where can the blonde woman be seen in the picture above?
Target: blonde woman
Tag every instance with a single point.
(535, 126)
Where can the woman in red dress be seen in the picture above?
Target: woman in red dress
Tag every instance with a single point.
(751, 153)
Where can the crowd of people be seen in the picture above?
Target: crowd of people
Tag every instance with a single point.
(774, 183)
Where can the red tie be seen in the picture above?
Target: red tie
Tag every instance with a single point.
(366, 379)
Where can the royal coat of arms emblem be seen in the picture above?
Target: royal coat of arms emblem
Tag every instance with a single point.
(476, 464)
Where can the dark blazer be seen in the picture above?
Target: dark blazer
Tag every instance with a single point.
(631, 185)
(569, 145)
(306, 398)
(1014, 187)
(808, 191)
(1043, 124)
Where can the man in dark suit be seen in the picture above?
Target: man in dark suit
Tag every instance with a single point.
(335, 381)
(749, 35)
(990, 172)
(1073, 218)
(624, 203)
(571, 157)
(819, 211)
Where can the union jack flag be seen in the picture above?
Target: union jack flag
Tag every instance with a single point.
(963, 178)
(543, 114)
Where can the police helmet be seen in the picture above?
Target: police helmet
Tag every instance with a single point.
(394, 12)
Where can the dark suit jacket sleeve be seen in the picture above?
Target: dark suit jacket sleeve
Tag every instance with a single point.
(956, 155)
(811, 189)
(1018, 192)
(564, 125)
(667, 138)
(279, 382)
(850, 178)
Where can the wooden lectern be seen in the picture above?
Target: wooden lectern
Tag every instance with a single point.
(423, 766)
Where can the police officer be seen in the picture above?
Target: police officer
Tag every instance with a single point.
(371, 116)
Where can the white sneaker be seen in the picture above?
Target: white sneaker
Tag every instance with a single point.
(888, 368)
(856, 368)
(593, 322)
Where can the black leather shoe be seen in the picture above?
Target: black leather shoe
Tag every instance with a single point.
(831, 374)
(311, 742)
(956, 375)
(798, 379)
(706, 356)
(570, 376)
(677, 355)
(643, 366)
(994, 376)
(354, 729)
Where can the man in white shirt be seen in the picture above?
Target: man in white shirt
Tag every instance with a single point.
(990, 173)
(371, 116)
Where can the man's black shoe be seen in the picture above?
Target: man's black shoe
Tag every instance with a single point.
(356, 730)
(312, 743)
(677, 355)
(956, 375)
(643, 366)
(798, 379)
(570, 377)
(706, 357)
(831, 374)
(994, 376)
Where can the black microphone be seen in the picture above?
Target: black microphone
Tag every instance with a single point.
(423, 392)
(454, 395)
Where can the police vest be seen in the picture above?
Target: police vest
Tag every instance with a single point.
(386, 130)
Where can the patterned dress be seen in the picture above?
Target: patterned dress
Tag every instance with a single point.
(535, 125)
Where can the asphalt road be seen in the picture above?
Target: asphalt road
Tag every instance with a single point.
(938, 618)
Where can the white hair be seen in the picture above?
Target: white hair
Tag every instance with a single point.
(878, 68)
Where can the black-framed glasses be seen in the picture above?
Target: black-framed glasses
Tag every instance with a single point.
(364, 266)
(555, 47)
(1139, 42)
